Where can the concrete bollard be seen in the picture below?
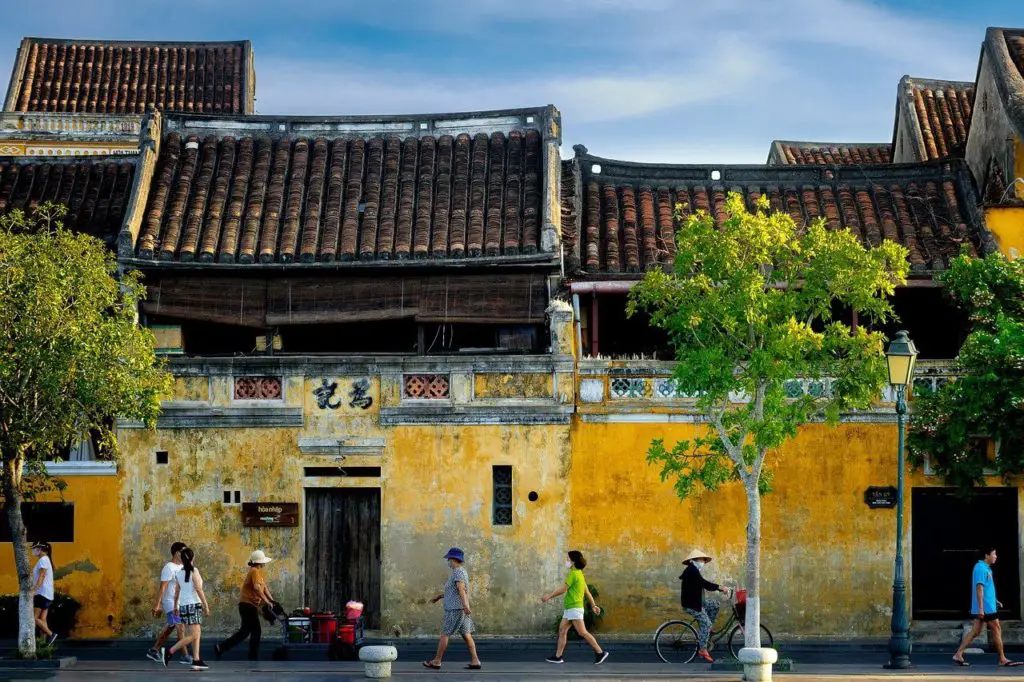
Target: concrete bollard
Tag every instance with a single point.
(757, 663)
(378, 660)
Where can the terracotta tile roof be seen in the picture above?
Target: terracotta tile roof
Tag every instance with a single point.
(103, 76)
(95, 190)
(570, 214)
(627, 225)
(326, 191)
(937, 116)
(785, 153)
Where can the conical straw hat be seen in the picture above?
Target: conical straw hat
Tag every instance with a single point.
(697, 554)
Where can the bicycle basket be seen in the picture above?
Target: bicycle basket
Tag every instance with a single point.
(740, 607)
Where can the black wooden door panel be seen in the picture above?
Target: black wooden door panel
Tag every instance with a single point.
(342, 558)
(948, 531)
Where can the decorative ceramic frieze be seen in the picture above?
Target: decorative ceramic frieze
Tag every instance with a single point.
(258, 388)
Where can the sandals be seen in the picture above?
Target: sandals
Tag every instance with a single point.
(706, 656)
(474, 667)
(431, 665)
(1011, 664)
(961, 662)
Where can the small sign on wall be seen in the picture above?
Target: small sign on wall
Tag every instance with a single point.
(878, 497)
(270, 514)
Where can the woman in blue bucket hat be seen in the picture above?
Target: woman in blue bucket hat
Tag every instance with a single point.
(457, 614)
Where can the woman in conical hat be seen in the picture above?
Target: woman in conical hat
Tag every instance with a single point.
(695, 603)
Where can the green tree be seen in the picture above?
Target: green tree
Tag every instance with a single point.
(71, 356)
(986, 401)
(748, 308)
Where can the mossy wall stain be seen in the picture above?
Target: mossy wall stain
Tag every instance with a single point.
(490, 386)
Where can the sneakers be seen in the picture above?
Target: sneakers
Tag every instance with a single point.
(199, 664)
(186, 660)
(600, 658)
(554, 659)
(162, 655)
(153, 655)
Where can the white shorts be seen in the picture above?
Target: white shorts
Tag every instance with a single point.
(572, 614)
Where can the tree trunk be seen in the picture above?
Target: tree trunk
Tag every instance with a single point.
(12, 473)
(752, 634)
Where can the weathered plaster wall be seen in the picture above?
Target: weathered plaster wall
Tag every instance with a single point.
(89, 569)
(435, 479)
(1007, 224)
(993, 138)
(816, 528)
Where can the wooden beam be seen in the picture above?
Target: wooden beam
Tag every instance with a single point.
(593, 326)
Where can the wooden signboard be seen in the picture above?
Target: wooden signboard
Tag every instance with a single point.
(270, 514)
(880, 498)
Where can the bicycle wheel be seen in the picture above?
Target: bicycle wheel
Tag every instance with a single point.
(736, 638)
(676, 642)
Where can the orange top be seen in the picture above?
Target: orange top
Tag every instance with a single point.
(249, 593)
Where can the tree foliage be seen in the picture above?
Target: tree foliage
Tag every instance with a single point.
(986, 401)
(748, 307)
(72, 356)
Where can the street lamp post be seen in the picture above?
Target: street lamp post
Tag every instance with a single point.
(900, 356)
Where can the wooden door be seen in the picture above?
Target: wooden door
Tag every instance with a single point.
(948, 532)
(343, 550)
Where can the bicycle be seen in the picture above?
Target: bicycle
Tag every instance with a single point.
(676, 640)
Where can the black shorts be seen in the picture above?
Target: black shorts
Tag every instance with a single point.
(41, 602)
(987, 618)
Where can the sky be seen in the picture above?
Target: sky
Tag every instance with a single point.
(662, 81)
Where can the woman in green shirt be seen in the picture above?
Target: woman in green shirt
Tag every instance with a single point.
(575, 589)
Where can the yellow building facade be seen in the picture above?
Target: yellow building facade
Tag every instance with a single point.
(394, 335)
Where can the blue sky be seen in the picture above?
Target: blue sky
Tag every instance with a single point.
(674, 81)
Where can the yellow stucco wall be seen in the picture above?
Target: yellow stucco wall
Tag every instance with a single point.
(90, 568)
(1007, 225)
(436, 493)
(816, 528)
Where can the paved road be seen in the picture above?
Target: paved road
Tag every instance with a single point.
(93, 671)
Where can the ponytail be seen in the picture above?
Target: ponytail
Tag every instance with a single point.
(187, 555)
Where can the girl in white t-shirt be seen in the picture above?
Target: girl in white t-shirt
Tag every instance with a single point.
(42, 587)
(189, 603)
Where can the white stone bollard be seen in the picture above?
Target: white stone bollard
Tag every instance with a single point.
(757, 663)
(378, 660)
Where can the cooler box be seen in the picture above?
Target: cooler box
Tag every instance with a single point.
(353, 610)
(298, 630)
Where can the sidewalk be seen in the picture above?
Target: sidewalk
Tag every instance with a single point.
(312, 672)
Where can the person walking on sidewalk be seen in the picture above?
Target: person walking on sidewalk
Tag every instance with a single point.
(165, 603)
(693, 601)
(42, 588)
(254, 593)
(189, 603)
(575, 590)
(458, 616)
(984, 609)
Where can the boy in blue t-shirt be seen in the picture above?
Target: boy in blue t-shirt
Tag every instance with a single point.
(984, 609)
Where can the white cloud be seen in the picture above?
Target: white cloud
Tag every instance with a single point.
(284, 87)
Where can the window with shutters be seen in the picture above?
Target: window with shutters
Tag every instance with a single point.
(502, 484)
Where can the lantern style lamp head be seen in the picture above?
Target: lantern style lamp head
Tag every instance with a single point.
(901, 356)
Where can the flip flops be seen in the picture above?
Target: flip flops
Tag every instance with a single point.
(474, 667)
(1011, 664)
(961, 662)
(431, 665)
